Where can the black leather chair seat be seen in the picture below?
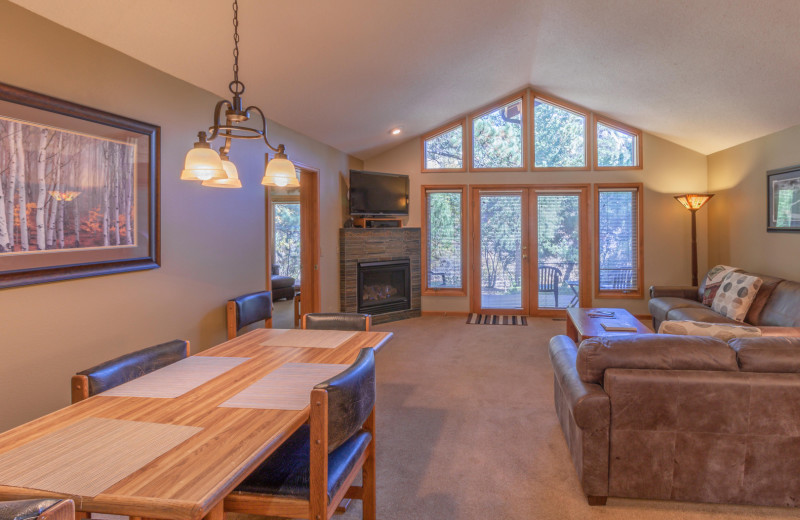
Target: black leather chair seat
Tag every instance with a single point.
(286, 471)
(25, 509)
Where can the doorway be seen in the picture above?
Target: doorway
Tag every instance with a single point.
(530, 249)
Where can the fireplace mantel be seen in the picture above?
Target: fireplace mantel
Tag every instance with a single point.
(379, 245)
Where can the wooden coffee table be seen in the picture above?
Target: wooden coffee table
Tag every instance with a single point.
(581, 326)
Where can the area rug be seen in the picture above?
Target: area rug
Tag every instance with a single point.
(495, 319)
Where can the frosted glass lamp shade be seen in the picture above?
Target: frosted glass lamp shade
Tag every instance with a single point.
(202, 164)
(232, 181)
(280, 172)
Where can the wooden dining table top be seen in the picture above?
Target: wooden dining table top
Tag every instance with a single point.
(190, 481)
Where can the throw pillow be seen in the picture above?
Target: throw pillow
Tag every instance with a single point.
(723, 331)
(714, 280)
(735, 295)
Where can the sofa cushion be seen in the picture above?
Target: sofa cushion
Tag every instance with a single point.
(660, 307)
(768, 354)
(768, 285)
(782, 309)
(701, 313)
(279, 282)
(713, 282)
(656, 351)
(723, 331)
(734, 297)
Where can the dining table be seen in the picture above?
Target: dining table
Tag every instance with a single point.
(143, 451)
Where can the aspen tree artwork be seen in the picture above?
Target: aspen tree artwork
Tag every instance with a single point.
(61, 189)
(79, 190)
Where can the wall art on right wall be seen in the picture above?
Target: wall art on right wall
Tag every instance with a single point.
(783, 199)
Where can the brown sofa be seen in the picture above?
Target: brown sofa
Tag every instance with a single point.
(775, 310)
(682, 417)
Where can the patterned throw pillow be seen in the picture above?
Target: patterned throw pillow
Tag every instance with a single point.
(714, 280)
(735, 295)
(723, 331)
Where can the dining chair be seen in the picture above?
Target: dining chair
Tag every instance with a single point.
(248, 309)
(39, 509)
(104, 376)
(313, 471)
(336, 321)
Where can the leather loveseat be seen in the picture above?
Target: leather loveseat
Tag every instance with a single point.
(684, 418)
(775, 309)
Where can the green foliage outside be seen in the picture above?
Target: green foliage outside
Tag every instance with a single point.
(617, 237)
(501, 239)
(559, 137)
(558, 237)
(445, 150)
(614, 147)
(497, 140)
(286, 222)
(444, 240)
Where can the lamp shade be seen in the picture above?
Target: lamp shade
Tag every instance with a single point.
(202, 164)
(232, 180)
(695, 201)
(280, 172)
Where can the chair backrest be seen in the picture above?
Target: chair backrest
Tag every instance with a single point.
(337, 321)
(351, 397)
(548, 278)
(42, 509)
(120, 370)
(248, 309)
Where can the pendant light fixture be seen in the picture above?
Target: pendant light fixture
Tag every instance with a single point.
(216, 170)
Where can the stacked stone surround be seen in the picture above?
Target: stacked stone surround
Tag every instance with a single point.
(379, 245)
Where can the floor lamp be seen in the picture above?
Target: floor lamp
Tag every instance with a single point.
(693, 202)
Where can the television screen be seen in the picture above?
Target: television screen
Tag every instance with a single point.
(373, 193)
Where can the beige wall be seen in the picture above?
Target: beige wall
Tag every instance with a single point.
(738, 212)
(669, 169)
(212, 241)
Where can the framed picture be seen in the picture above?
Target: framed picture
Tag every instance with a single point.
(79, 191)
(783, 199)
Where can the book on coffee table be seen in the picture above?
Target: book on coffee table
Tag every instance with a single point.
(617, 326)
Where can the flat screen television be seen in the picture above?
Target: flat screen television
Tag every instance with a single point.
(373, 193)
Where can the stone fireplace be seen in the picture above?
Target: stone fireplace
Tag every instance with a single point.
(380, 272)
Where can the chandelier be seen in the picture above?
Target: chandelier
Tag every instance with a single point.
(216, 170)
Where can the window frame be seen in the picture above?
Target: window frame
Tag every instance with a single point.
(588, 142)
(465, 152)
(524, 97)
(637, 293)
(622, 127)
(448, 291)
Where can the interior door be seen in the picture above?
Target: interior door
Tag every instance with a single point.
(500, 280)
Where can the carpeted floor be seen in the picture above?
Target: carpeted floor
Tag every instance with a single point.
(467, 430)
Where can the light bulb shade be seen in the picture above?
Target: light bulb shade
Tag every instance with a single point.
(693, 201)
(202, 164)
(232, 180)
(280, 172)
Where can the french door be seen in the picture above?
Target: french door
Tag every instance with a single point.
(530, 249)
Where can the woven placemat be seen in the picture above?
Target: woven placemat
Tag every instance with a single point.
(176, 379)
(310, 338)
(286, 388)
(90, 455)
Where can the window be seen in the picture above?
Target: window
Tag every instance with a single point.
(443, 220)
(618, 255)
(498, 136)
(443, 149)
(617, 146)
(286, 236)
(559, 135)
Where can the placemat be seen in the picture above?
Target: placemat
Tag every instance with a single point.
(89, 456)
(286, 388)
(176, 379)
(310, 338)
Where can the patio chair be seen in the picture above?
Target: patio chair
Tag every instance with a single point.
(549, 281)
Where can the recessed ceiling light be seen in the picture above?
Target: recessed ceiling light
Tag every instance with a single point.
(396, 131)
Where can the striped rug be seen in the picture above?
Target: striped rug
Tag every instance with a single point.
(495, 319)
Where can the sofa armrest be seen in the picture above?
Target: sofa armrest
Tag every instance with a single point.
(588, 402)
(674, 291)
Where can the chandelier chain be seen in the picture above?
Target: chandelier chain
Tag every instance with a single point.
(236, 86)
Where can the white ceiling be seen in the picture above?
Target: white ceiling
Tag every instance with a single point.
(706, 74)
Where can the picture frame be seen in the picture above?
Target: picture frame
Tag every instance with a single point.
(783, 200)
(79, 191)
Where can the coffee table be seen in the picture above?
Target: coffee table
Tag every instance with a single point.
(581, 326)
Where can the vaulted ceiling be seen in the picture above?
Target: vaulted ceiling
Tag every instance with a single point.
(705, 74)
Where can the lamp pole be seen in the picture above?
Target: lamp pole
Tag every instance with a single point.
(694, 247)
(694, 202)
